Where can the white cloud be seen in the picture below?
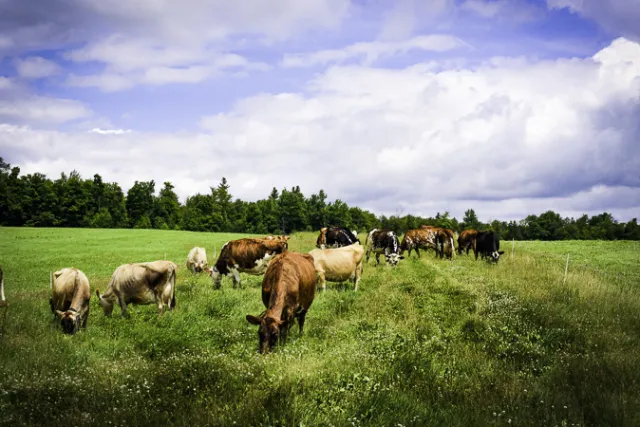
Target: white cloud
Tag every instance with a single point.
(130, 62)
(620, 17)
(407, 16)
(508, 138)
(35, 67)
(372, 51)
(19, 106)
(516, 11)
(109, 131)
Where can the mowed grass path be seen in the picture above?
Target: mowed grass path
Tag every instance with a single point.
(431, 342)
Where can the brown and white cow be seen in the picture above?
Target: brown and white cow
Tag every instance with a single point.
(197, 260)
(281, 238)
(249, 256)
(384, 242)
(444, 242)
(288, 289)
(467, 240)
(338, 264)
(141, 283)
(3, 300)
(420, 238)
(70, 295)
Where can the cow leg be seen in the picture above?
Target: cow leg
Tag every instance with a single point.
(417, 252)
(123, 306)
(301, 316)
(356, 280)
(235, 276)
(85, 318)
(322, 281)
(368, 253)
(377, 258)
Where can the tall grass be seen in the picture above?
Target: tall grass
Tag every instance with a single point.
(430, 342)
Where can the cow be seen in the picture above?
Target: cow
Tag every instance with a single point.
(384, 242)
(249, 256)
(288, 289)
(338, 264)
(197, 260)
(335, 237)
(69, 301)
(467, 240)
(141, 283)
(420, 238)
(3, 300)
(488, 246)
(283, 238)
(444, 241)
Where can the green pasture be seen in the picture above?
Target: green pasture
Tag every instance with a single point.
(431, 342)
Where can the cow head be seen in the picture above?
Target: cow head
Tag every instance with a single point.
(70, 321)
(268, 331)
(105, 303)
(393, 259)
(495, 255)
(215, 275)
(321, 243)
(200, 267)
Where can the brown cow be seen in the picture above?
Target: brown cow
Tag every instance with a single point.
(421, 238)
(288, 288)
(282, 238)
(467, 240)
(249, 256)
(141, 283)
(70, 295)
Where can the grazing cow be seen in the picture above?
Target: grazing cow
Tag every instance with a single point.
(444, 242)
(3, 301)
(421, 238)
(288, 288)
(249, 256)
(467, 240)
(141, 283)
(197, 260)
(70, 295)
(488, 246)
(335, 237)
(384, 242)
(338, 264)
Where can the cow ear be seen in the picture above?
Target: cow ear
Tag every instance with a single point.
(60, 314)
(401, 256)
(501, 252)
(253, 319)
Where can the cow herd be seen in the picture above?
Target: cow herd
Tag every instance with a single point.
(289, 278)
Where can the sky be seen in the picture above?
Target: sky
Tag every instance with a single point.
(509, 107)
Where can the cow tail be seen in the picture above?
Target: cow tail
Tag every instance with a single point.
(172, 279)
(453, 248)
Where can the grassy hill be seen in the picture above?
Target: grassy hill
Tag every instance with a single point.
(431, 342)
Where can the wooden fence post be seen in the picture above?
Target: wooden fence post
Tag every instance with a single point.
(566, 267)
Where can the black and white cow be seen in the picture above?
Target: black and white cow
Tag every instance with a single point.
(384, 242)
(488, 246)
(335, 237)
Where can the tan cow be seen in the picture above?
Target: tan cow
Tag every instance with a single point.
(70, 295)
(338, 264)
(288, 289)
(197, 260)
(141, 283)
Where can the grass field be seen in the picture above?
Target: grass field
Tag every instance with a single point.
(431, 342)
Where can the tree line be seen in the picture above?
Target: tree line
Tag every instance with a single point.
(71, 201)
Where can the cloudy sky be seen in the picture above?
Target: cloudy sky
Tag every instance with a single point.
(510, 107)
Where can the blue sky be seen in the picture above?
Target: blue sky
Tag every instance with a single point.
(511, 107)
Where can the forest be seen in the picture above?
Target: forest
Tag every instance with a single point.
(33, 200)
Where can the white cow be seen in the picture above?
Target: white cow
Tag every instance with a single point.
(338, 264)
(197, 260)
(70, 295)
